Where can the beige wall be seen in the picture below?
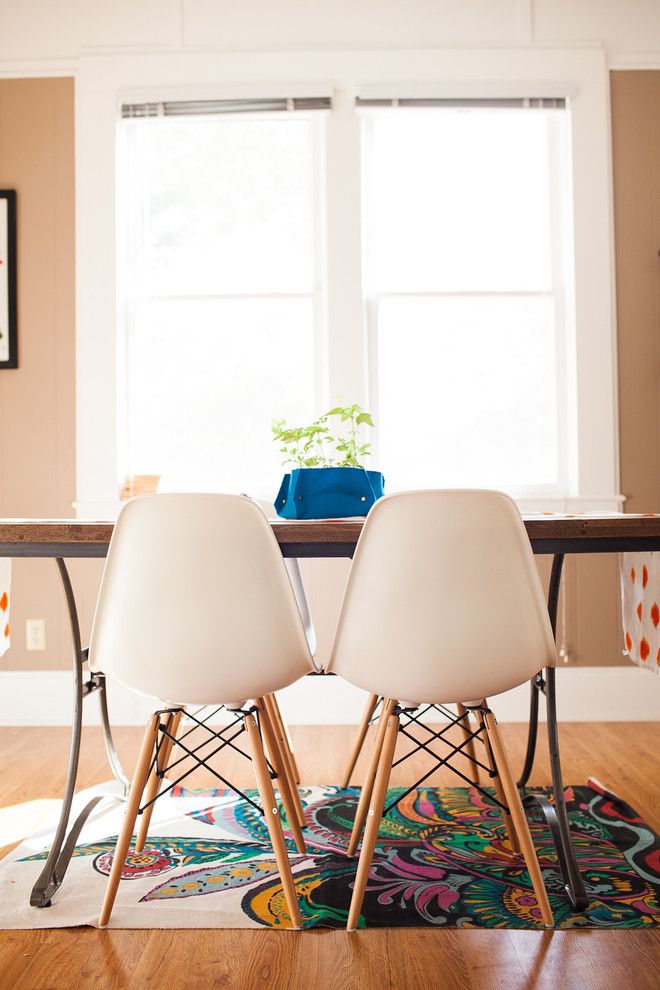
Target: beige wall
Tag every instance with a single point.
(636, 141)
(37, 401)
(592, 598)
(593, 626)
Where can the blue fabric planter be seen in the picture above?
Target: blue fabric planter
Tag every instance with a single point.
(328, 493)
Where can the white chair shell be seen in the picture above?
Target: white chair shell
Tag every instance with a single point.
(444, 602)
(195, 605)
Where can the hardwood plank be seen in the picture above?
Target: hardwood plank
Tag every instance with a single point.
(343, 961)
(264, 959)
(623, 755)
(416, 960)
(79, 957)
(594, 959)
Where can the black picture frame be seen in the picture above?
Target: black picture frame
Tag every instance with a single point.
(8, 316)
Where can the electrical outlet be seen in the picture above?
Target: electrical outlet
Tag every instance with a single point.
(35, 634)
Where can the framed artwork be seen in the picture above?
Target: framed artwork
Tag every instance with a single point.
(8, 327)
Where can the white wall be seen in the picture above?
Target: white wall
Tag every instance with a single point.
(627, 30)
(587, 694)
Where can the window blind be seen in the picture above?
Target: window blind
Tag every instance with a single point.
(196, 108)
(531, 102)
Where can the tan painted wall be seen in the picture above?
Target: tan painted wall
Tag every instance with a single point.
(636, 137)
(636, 164)
(37, 401)
(593, 633)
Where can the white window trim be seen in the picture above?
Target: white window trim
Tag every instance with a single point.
(104, 82)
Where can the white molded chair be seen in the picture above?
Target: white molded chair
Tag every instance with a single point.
(278, 739)
(196, 607)
(443, 605)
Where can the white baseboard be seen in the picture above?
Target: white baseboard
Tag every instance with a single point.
(584, 694)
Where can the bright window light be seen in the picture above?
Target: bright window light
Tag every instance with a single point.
(468, 394)
(221, 278)
(465, 221)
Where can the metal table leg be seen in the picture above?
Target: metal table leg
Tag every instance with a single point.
(572, 880)
(537, 684)
(555, 815)
(63, 846)
(535, 687)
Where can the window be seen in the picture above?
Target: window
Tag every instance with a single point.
(221, 292)
(465, 261)
(346, 331)
(465, 273)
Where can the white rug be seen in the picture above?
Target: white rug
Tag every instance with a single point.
(200, 843)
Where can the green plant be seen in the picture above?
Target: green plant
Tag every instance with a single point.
(316, 445)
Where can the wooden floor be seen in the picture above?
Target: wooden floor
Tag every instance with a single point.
(624, 756)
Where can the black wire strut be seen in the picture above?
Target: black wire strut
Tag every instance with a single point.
(444, 761)
(198, 760)
(213, 735)
(454, 720)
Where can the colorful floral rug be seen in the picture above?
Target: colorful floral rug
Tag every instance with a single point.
(442, 860)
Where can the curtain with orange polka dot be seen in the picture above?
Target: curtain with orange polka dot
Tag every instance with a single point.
(5, 582)
(640, 608)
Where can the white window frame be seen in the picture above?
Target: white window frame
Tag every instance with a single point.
(104, 82)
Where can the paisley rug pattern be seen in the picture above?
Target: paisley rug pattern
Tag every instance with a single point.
(442, 860)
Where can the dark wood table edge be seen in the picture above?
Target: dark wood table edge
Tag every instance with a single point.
(338, 538)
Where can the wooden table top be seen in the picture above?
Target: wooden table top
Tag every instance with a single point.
(547, 532)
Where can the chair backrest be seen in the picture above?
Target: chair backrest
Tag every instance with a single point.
(444, 602)
(195, 604)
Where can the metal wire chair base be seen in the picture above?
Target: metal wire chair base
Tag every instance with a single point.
(443, 761)
(198, 761)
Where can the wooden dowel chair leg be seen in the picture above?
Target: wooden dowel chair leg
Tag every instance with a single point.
(468, 749)
(519, 818)
(373, 821)
(154, 782)
(369, 710)
(284, 756)
(370, 776)
(287, 739)
(499, 792)
(132, 806)
(282, 779)
(272, 816)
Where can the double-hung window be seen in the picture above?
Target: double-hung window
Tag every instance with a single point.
(465, 311)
